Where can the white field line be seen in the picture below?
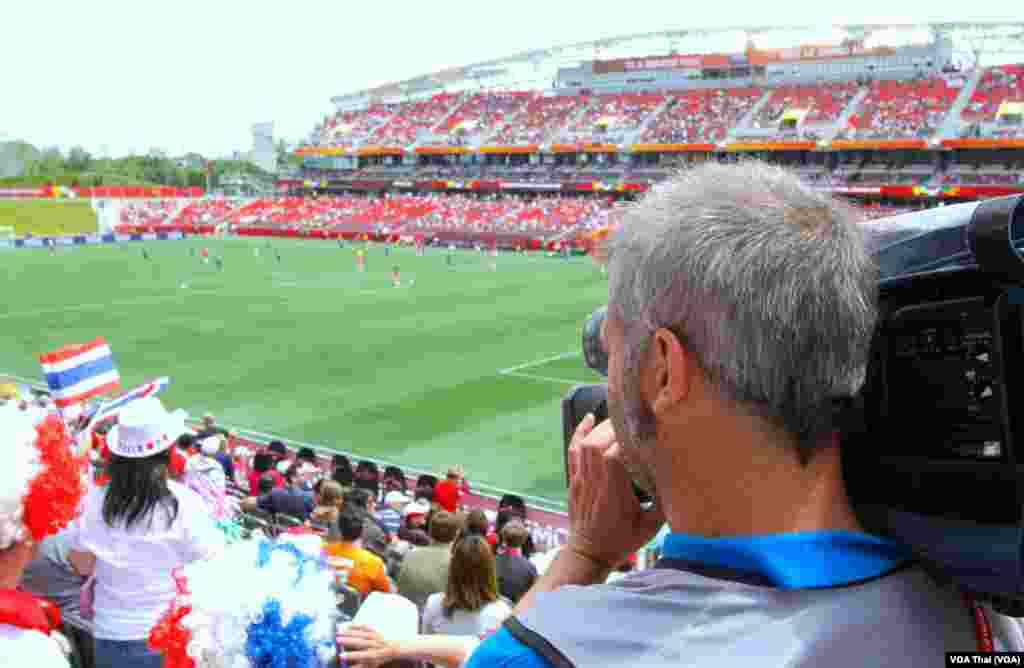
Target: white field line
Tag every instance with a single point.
(550, 505)
(123, 302)
(527, 365)
(549, 379)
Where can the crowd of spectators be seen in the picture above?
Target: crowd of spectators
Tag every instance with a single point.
(728, 565)
(892, 109)
(347, 128)
(481, 114)
(997, 85)
(822, 102)
(542, 116)
(403, 128)
(610, 117)
(400, 215)
(148, 512)
(902, 109)
(701, 116)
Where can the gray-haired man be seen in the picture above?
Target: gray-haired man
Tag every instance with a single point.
(741, 305)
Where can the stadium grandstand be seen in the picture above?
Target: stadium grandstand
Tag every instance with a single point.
(897, 111)
(427, 382)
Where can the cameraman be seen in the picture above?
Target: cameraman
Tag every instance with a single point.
(741, 307)
(742, 304)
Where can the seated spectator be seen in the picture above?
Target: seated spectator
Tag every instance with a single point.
(288, 500)
(470, 604)
(366, 569)
(504, 517)
(477, 524)
(210, 428)
(342, 473)
(394, 480)
(390, 516)
(263, 463)
(414, 523)
(375, 536)
(267, 482)
(368, 477)
(205, 476)
(448, 492)
(278, 451)
(515, 572)
(330, 501)
(425, 569)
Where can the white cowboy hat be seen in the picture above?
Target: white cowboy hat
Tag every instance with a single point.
(145, 428)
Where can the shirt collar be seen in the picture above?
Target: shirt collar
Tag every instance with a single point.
(801, 560)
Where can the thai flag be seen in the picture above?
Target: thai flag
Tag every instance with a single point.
(117, 404)
(77, 372)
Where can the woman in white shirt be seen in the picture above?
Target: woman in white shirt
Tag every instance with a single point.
(470, 604)
(140, 527)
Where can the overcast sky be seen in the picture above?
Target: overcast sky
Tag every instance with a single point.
(195, 74)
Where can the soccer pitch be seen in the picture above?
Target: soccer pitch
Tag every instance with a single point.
(460, 364)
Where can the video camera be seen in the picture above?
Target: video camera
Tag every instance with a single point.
(930, 442)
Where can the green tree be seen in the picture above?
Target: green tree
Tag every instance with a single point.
(79, 159)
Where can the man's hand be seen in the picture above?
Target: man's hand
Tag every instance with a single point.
(371, 647)
(606, 523)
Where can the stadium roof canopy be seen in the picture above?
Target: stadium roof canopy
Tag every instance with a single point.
(988, 43)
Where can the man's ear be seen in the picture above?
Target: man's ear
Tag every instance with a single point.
(669, 367)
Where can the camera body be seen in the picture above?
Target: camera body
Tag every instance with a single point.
(930, 443)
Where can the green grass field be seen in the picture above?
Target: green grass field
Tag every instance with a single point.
(466, 365)
(45, 216)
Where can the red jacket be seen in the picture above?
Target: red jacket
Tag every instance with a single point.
(447, 494)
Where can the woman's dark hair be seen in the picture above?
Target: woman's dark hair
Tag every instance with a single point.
(358, 498)
(136, 488)
(394, 478)
(368, 477)
(350, 525)
(472, 576)
(261, 462)
(342, 471)
(306, 455)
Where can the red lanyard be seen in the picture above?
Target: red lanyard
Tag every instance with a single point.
(982, 627)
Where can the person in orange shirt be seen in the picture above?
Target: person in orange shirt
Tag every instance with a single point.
(366, 570)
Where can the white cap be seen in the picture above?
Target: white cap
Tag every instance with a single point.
(395, 496)
(145, 428)
(417, 508)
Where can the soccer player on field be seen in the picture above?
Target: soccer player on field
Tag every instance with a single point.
(361, 260)
(396, 276)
